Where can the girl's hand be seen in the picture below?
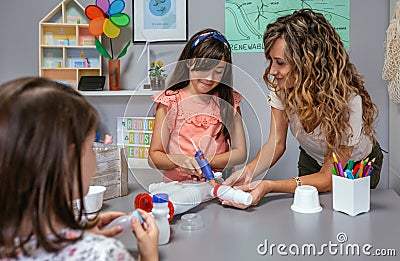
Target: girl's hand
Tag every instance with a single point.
(258, 189)
(188, 165)
(240, 177)
(146, 235)
(103, 219)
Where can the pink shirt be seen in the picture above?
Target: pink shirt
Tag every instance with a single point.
(190, 117)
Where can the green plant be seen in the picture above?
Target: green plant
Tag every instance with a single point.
(156, 69)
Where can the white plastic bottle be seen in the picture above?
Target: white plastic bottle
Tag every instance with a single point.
(228, 193)
(124, 221)
(160, 212)
(168, 188)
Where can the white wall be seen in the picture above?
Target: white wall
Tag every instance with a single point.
(394, 127)
(369, 20)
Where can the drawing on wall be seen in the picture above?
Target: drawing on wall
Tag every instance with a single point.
(246, 20)
(159, 20)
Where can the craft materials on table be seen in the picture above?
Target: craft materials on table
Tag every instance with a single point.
(359, 170)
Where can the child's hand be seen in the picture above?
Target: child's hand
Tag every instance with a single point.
(191, 167)
(239, 177)
(146, 235)
(104, 219)
(186, 164)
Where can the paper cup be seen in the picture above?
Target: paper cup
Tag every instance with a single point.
(306, 200)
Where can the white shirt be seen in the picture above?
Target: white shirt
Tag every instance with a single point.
(314, 145)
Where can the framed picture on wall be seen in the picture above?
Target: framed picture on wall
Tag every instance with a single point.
(159, 20)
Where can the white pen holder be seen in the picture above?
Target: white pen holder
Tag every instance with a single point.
(351, 196)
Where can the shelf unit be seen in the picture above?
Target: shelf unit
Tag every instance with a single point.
(66, 48)
(120, 93)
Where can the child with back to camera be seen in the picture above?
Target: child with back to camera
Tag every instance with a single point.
(200, 104)
(46, 163)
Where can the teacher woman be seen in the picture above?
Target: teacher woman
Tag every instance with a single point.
(317, 91)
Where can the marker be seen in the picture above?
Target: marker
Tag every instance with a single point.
(334, 171)
(350, 165)
(366, 171)
(340, 169)
(370, 171)
(335, 163)
(360, 175)
(334, 157)
(355, 169)
(349, 174)
(366, 161)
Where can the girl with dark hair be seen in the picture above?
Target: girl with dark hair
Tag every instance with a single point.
(46, 163)
(199, 105)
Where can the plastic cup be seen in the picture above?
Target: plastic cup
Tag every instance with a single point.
(306, 200)
(94, 199)
(191, 222)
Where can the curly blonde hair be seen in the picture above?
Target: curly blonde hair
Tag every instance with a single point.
(324, 78)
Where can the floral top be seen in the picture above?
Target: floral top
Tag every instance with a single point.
(90, 247)
(197, 117)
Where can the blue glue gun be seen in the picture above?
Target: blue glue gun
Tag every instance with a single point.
(204, 165)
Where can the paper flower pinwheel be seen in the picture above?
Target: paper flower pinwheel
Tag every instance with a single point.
(107, 18)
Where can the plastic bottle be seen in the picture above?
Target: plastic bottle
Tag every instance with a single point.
(160, 212)
(228, 193)
(124, 221)
(167, 188)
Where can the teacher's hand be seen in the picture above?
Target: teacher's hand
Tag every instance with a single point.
(258, 189)
(240, 177)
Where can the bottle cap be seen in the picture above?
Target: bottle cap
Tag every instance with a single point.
(136, 214)
(217, 174)
(143, 201)
(160, 198)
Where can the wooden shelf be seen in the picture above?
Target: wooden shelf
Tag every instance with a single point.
(67, 50)
(120, 93)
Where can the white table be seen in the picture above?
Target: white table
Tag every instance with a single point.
(233, 234)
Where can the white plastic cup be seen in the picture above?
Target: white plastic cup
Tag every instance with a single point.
(306, 200)
(94, 199)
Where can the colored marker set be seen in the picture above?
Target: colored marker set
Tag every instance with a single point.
(351, 187)
(351, 171)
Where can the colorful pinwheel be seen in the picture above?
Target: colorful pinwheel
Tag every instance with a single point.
(107, 18)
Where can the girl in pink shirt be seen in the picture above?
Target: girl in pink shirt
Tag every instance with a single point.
(200, 104)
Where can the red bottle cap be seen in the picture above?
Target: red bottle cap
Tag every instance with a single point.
(143, 201)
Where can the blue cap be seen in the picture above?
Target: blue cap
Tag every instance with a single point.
(136, 214)
(160, 198)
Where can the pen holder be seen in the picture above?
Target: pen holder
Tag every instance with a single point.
(351, 196)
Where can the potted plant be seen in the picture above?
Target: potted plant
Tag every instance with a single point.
(157, 75)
